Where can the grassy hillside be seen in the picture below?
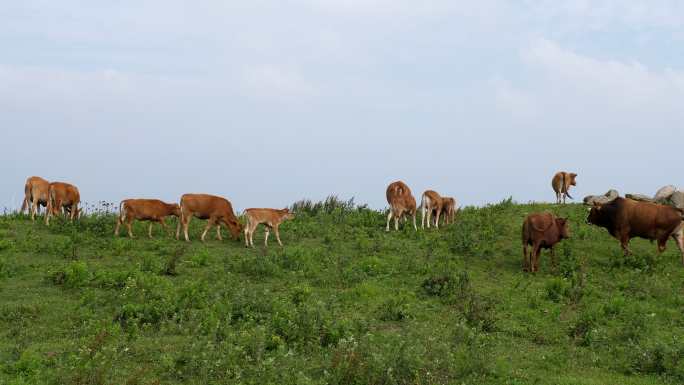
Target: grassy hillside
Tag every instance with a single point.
(343, 302)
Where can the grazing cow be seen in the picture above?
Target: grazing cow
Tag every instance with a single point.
(541, 231)
(36, 192)
(152, 210)
(62, 196)
(561, 183)
(430, 202)
(217, 210)
(271, 218)
(625, 219)
(449, 209)
(401, 202)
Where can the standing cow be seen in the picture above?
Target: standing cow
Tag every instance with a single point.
(561, 183)
(542, 231)
(625, 219)
(430, 202)
(271, 218)
(401, 203)
(152, 210)
(449, 209)
(62, 196)
(36, 191)
(217, 210)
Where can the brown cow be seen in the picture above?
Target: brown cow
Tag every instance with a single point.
(217, 210)
(62, 196)
(541, 231)
(401, 202)
(36, 192)
(271, 218)
(430, 202)
(625, 219)
(449, 209)
(152, 210)
(561, 183)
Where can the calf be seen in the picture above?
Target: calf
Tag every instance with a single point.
(217, 210)
(625, 219)
(541, 231)
(36, 191)
(561, 183)
(401, 203)
(430, 202)
(271, 218)
(62, 196)
(449, 209)
(152, 210)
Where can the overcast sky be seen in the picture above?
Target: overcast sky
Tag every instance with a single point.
(267, 102)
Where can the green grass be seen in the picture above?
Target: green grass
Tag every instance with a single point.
(343, 302)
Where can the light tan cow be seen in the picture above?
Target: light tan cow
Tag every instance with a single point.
(62, 196)
(152, 210)
(561, 183)
(36, 192)
(429, 202)
(271, 218)
(401, 203)
(217, 210)
(449, 209)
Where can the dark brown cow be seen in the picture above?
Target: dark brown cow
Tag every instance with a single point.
(271, 218)
(401, 202)
(561, 183)
(36, 192)
(152, 210)
(430, 202)
(216, 209)
(625, 219)
(541, 231)
(62, 196)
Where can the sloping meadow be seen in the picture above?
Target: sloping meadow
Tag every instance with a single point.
(343, 302)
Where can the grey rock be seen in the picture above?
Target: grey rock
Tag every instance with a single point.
(664, 193)
(677, 199)
(640, 197)
(601, 199)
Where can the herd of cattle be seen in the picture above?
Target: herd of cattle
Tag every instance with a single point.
(623, 218)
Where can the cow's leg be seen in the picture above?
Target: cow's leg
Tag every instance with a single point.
(186, 224)
(423, 212)
(439, 212)
(624, 242)
(526, 261)
(247, 235)
(34, 208)
(389, 217)
(218, 231)
(414, 222)
(129, 222)
(252, 229)
(149, 230)
(536, 251)
(429, 215)
(267, 230)
(210, 222)
(277, 234)
(74, 210)
(554, 262)
(396, 221)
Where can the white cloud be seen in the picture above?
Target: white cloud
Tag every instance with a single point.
(271, 82)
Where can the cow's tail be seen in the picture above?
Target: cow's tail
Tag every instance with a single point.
(565, 183)
(122, 211)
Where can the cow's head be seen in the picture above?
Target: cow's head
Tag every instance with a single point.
(286, 214)
(176, 210)
(563, 227)
(235, 227)
(572, 177)
(596, 215)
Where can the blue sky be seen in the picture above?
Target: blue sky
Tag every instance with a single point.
(266, 102)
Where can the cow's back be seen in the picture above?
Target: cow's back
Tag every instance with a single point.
(557, 181)
(205, 205)
(66, 192)
(147, 208)
(397, 190)
(38, 187)
(646, 219)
